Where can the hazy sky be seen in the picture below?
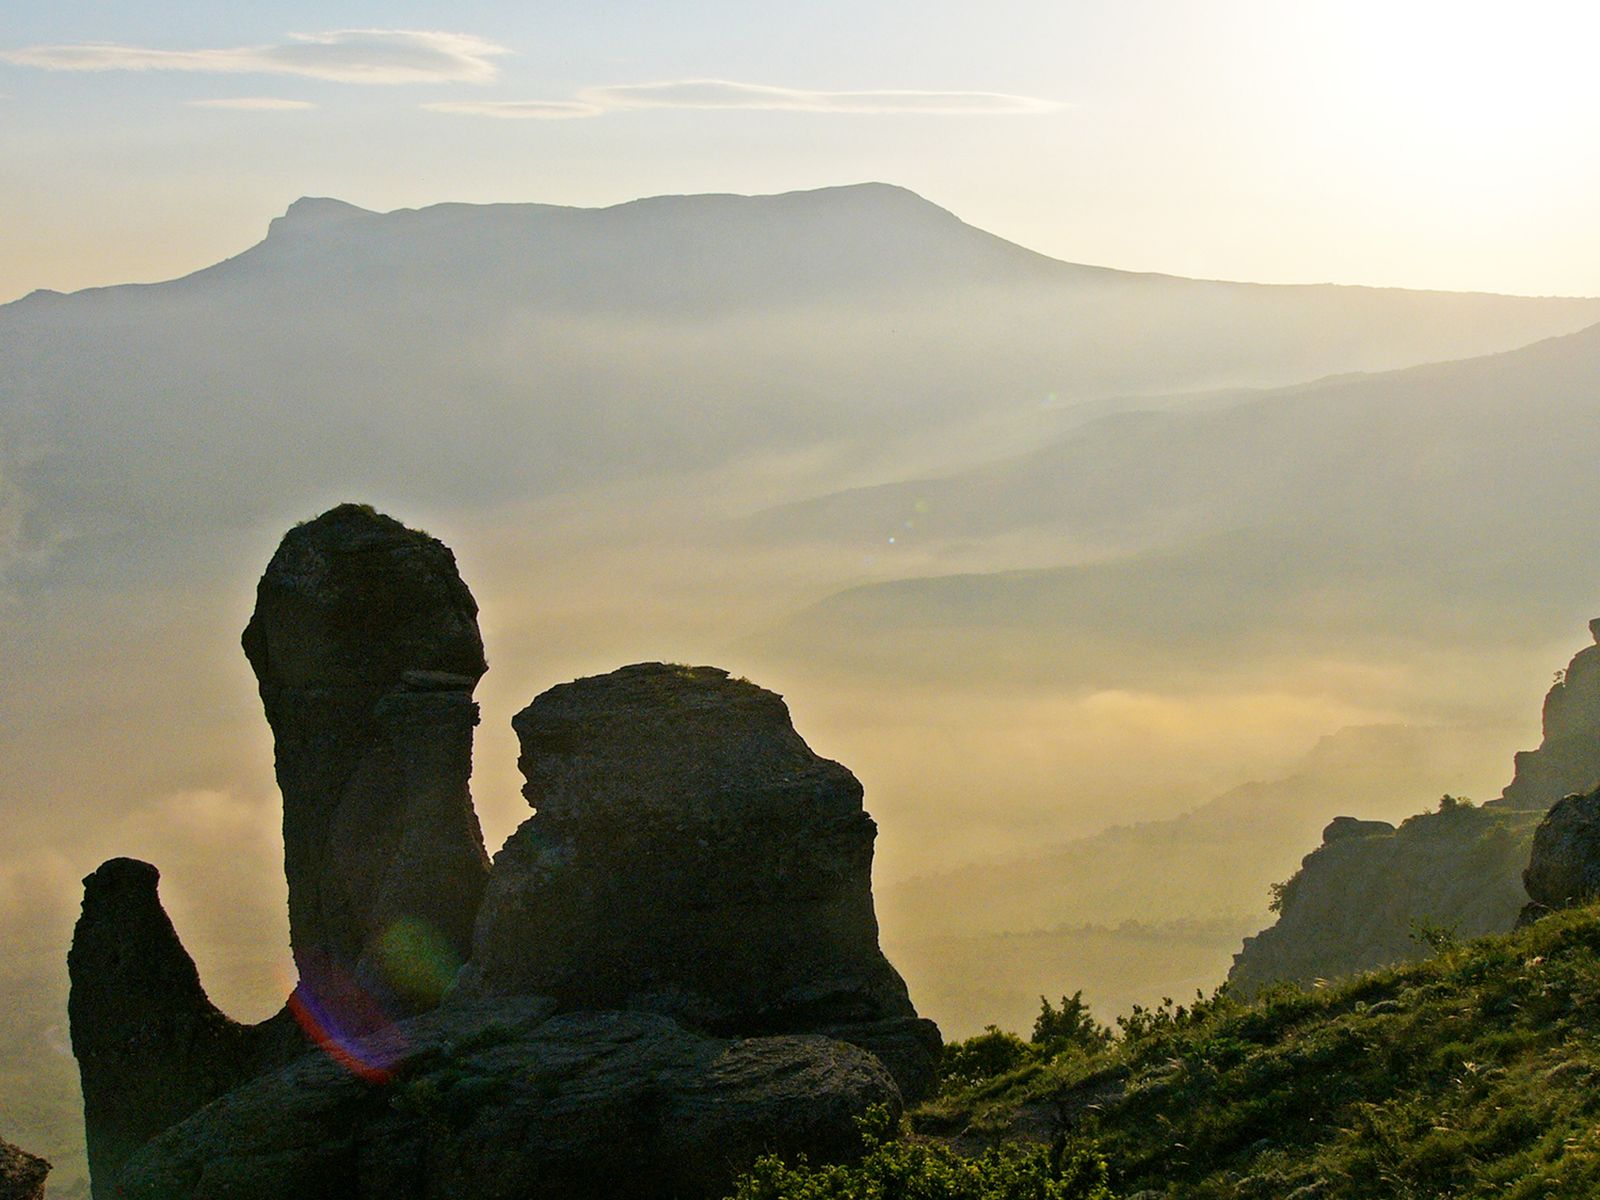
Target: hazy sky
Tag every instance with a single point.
(1428, 144)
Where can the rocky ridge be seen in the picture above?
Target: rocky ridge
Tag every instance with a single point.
(1372, 895)
(672, 967)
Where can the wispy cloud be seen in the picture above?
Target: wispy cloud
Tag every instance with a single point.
(726, 94)
(254, 104)
(524, 110)
(342, 55)
(722, 93)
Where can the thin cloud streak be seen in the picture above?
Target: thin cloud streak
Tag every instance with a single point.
(371, 56)
(722, 94)
(254, 104)
(517, 110)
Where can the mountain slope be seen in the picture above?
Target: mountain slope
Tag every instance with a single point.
(1408, 506)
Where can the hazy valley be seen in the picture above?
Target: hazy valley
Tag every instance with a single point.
(1112, 588)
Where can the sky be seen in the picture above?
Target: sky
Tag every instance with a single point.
(1420, 144)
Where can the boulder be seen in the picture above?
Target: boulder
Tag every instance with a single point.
(21, 1174)
(1340, 828)
(690, 855)
(505, 1101)
(1564, 865)
(365, 644)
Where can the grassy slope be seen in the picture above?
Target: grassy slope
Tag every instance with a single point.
(1475, 1073)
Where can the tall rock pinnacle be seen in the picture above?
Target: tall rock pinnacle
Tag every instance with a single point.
(365, 644)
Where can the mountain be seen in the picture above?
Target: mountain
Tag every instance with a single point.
(464, 354)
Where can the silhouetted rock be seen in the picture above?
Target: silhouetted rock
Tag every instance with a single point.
(690, 855)
(365, 644)
(151, 1048)
(21, 1174)
(508, 1101)
(1568, 758)
(1564, 866)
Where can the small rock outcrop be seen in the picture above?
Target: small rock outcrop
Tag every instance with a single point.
(151, 1047)
(690, 855)
(508, 1101)
(1568, 758)
(365, 644)
(1340, 828)
(1564, 864)
(22, 1174)
(672, 968)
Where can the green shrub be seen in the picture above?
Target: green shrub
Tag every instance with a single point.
(896, 1167)
(984, 1056)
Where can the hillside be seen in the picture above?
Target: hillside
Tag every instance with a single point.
(1468, 1075)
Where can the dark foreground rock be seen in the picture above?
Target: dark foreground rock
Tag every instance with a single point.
(673, 967)
(22, 1174)
(1564, 865)
(690, 855)
(365, 644)
(151, 1047)
(509, 1102)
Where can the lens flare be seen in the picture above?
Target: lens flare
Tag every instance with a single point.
(347, 1021)
(417, 960)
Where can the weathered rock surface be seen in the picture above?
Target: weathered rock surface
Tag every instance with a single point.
(690, 855)
(365, 644)
(1362, 899)
(1568, 758)
(151, 1047)
(507, 1102)
(22, 1174)
(1564, 866)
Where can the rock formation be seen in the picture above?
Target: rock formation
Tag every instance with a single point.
(1568, 758)
(1364, 897)
(365, 644)
(1564, 865)
(690, 860)
(21, 1174)
(690, 855)
(1358, 901)
(507, 1101)
(151, 1048)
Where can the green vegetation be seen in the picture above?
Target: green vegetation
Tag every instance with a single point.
(897, 1167)
(1057, 1032)
(1473, 1074)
